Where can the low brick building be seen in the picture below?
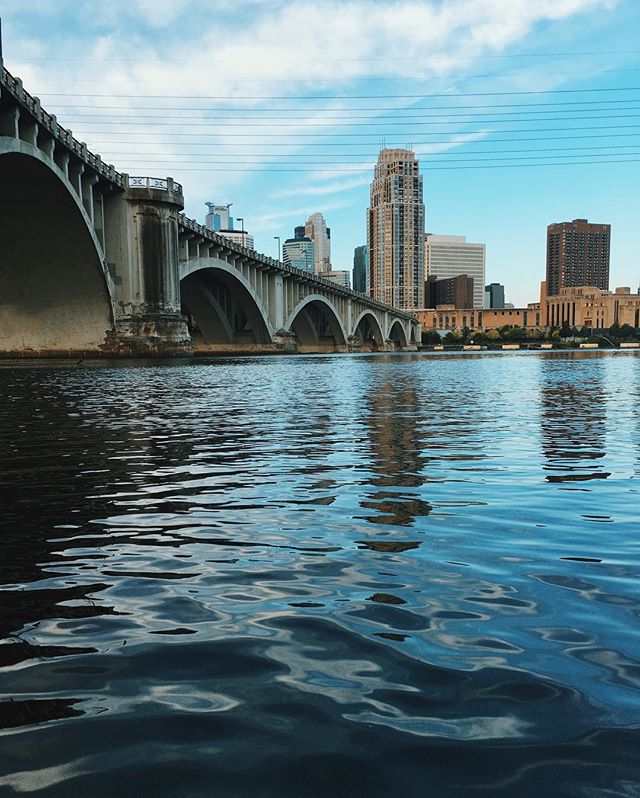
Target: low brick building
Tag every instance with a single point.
(584, 306)
(587, 306)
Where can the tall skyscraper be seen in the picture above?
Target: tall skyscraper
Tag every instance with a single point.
(577, 255)
(451, 256)
(360, 269)
(395, 231)
(298, 251)
(316, 229)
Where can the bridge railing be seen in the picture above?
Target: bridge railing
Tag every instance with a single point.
(232, 246)
(161, 183)
(13, 86)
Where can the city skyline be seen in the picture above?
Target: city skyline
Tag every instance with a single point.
(480, 119)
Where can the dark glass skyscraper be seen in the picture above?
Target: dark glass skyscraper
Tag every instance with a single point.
(360, 269)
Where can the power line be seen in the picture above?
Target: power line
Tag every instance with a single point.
(334, 119)
(404, 136)
(377, 109)
(338, 96)
(550, 152)
(434, 168)
(450, 142)
(325, 123)
(461, 76)
(357, 60)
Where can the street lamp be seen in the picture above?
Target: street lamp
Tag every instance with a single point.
(240, 219)
(277, 238)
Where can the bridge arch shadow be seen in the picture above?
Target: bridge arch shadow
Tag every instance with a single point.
(222, 308)
(56, 296)
(367, 332)
(317, 326)
(397, 335)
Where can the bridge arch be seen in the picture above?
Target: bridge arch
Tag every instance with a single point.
(222, 307)
(367, 331)
(56, 295)
(316, 325)
(397, 334)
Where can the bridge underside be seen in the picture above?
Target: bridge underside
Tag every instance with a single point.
(317, 329)
(54, 298)
(222, 315)
(368, 336)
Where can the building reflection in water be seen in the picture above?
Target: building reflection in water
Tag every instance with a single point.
(573, 420)
(397, 459)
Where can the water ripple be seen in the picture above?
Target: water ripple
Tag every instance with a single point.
(374, 575)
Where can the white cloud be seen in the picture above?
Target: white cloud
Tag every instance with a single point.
(250, 51)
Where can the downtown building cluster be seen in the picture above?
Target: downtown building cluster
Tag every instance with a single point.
(441, 278)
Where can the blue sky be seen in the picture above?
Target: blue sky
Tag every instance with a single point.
(281, 107)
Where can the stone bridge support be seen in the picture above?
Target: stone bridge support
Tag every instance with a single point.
(142, 239)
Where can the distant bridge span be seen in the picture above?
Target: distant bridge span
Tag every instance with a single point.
(93, 261)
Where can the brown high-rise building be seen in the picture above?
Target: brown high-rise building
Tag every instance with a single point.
(577, 255)
(456, 291)
(395, 231)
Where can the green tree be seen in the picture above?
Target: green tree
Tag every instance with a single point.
(627, 331)
(430, 338)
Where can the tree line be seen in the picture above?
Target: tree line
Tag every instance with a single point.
(510, 334)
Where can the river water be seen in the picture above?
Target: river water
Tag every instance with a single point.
(368, 575)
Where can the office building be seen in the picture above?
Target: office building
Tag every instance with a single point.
(298, 251)
(218, 217)
(360, 269)
(494, 295)
(577, 255)
(395, 231)
(451, 256)
(219, 220)
(240, 237)
(316, 229)
(342, 277)
(456, 291)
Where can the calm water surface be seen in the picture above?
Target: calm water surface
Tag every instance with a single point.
(354, 575)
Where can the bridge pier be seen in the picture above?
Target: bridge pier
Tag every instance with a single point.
(149, 319)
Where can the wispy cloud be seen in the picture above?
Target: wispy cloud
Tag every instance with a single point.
(266, 221)
(336, 187)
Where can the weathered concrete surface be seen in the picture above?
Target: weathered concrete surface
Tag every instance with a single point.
(55, 293)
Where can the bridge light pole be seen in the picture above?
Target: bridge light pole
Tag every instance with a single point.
(241, 219)
(277, 238)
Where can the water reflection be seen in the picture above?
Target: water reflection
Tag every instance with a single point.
(393, 418)
(573, 422)
(270, 573)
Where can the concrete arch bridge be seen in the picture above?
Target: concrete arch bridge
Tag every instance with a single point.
(94, 262)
